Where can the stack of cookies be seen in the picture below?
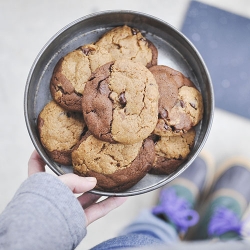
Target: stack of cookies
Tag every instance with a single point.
(117, 115)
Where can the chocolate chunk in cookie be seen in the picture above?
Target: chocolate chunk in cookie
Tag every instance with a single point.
(120, 102)
(172, 151)
(180, 103)
(72, 72)
(124, 42)
(117, 167)
(59, 131)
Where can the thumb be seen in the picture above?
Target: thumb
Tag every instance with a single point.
(78, 184)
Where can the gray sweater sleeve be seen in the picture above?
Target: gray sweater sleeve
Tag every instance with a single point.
(43, 214)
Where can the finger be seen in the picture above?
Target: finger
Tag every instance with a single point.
(35, 164)
(98, 210)
(88, 199)
(78, 184)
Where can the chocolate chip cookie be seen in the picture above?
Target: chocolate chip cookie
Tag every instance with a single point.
(117, 167)
(180, 103)
(59, 131)
(129, 43)
(72, 72)
(120, 102)
(171, 151)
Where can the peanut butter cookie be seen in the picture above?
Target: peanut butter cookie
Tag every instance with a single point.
(72, 72)
(171, 151)
(124, 42)
(117, 167)
(120, 102)
(59, 131)
(180, 103)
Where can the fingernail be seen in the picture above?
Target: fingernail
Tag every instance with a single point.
(91, 179)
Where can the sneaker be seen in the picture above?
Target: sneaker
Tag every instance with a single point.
(178, 199)
(229, 197)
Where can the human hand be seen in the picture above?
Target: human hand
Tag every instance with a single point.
(77, 184)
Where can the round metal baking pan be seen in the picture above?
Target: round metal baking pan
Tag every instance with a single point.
(175, 51)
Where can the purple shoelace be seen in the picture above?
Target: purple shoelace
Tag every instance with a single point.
(222, 221)
(176, 209)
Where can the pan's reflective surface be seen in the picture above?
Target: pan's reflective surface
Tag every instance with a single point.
(174, 51)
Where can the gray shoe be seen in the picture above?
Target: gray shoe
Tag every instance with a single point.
(228, 199)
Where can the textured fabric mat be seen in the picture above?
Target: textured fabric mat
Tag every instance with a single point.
(223, 40)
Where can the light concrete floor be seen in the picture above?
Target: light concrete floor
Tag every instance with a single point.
(25, 27)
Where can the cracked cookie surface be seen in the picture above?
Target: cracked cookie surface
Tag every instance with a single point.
(72, 72)
(124, 42)
(120, 102)
(117, 167)
(171, 151)
(180, 103)
(59, 131)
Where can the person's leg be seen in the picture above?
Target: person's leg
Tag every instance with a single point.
(146, 230)
(228, 200)
(161, 225)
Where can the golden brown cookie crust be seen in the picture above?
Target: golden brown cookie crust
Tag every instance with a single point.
(59, 131)
(180, 103)
(120, 102)
(72, 72)
(171, 151)
(117, 167)
(126, 42)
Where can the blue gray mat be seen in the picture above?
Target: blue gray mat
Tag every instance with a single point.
(223, 40)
